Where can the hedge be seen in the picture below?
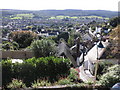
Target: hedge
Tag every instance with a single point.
(51, 68)
(111, 77)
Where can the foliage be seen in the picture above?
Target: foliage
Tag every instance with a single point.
(115, 40)
(24, 71)
(53, 38)
(23, 38)
(115, 34)
(72, 37)
(15, 84)
(6, 71)
(43, 48)
(39, 83)
(111, 77)
(10, 46)
(4, 31)
(102, 68)
(22, 16)
(53, 13)
(114, 21)
(64, 81)
(64, 35)
(52, 68)
(73, 76)
(32, 69)
(71, 41)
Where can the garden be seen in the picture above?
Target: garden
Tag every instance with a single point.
(53, 71)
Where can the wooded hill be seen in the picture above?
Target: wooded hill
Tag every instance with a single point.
(67, 12)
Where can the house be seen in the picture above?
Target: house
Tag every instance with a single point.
(43, 33)
(86, 37)
(64, 50)
(52, 34)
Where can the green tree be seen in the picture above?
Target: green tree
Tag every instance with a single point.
(43, 48)
(64, 35)
(23, 38)
(10, 46)
(114, 21)
(72, 37)
(115, 40)
(111, 77)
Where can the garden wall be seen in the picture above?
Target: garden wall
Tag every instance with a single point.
(17, 54)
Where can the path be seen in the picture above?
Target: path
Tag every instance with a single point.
(86, 70)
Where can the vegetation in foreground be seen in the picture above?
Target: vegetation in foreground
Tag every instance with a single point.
(52, 71)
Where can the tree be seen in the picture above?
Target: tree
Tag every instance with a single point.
(111, 77)
(64, 35)
(115, 21)
(72, 37)
(10, 46)
(23, 38)
(43, 48)
(115, 39)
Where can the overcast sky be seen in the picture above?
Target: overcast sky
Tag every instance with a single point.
(60, 4)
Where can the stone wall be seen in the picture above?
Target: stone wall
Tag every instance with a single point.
(17, 54)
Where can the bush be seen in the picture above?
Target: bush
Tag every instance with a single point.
(64, 81)
(25, 72)
(73, 76)
(40, 83)
(64, 35)
(10, 46)
(114, 21)
(43, 48)
(102, 68)
(23, 38)
(51, 67)
(32, 69)
(15, 84)
(111, 77)
(6, 72)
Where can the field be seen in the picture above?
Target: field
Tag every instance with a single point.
(76, 17)
(20, 16)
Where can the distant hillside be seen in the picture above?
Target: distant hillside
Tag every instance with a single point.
(67, 12)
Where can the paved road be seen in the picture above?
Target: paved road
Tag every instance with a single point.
(87, 68)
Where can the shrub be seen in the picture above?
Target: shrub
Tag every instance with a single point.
(64, 35)
(52, 67)
(73, 76)
(102, 68)
(72, 38)
(111, 77)
(40, 83)
(64, 81)
(24, 71)
(15, 84)
(23, 38)
(43, 48)
(10, 46)
(114, 21)
(32, 69)
(71, 41)
(6, 72)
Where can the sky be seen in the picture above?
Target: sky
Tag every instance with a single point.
(111, 5)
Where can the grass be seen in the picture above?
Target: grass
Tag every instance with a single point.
(20, 16)
(16, 18)
(81, 17)
(73, 17)
(93, 17)
(59, 17)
